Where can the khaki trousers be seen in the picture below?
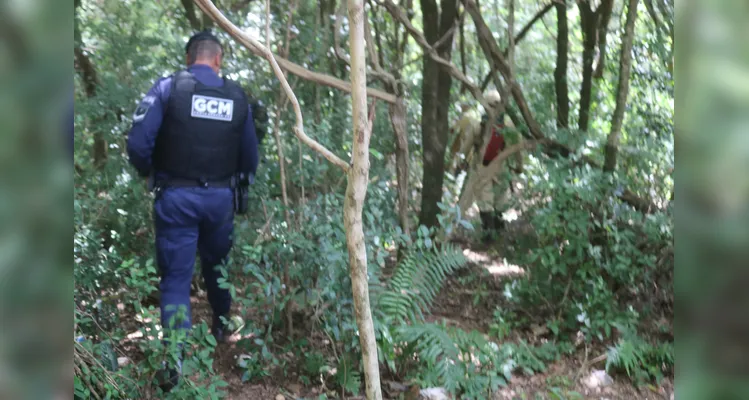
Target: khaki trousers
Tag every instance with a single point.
(487, 191)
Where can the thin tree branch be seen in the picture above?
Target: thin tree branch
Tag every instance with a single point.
(497, 59)
(337, 35)
(281, 105)
(267, 23)
(540, 14)
(210, 9)
(190, 14)
(510, 32)
(397, 13)
(378, 40)
(667, 16)
(656, 19)
(493, 169)
(463, 51)
(379, 72)
(376, 72)
(404, 42)
(449, 32)
(289, 66)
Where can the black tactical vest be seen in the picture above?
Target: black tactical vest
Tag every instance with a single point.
(200, 135)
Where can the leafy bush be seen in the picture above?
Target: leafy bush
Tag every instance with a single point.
(96, 376)
(592, 256)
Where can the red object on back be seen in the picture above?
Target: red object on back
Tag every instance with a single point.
(496, 144)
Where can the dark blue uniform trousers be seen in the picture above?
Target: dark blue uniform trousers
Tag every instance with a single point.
(190, 220)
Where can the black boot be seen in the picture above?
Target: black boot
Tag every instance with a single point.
(487, 225)
(498, 221)
(168, 378)
(219, 329)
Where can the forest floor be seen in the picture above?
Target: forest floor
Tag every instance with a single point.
(468, 301)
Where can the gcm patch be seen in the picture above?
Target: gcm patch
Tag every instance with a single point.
(212, 108)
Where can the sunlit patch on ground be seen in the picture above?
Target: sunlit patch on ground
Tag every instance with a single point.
(477, 258)
(511, 215)
(504, 269)
(497, 267)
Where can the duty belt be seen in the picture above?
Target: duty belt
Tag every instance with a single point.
(181, 183)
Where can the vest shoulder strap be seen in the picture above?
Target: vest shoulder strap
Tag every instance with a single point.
(183, 81)
(234, 88)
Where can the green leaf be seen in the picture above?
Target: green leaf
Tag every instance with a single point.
(466, 225)
(376, 154)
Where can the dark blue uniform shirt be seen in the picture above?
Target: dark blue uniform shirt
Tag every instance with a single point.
(142, 137)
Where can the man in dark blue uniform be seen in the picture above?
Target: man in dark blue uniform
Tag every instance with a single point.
(194, 135)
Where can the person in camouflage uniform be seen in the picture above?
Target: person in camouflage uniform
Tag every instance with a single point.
(487, 184)
(463, 143)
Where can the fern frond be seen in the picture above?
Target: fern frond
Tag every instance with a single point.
(449, 356)
(640, 359)
(417, 281)
(431, 340)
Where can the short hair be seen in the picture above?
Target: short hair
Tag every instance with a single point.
(202, 45)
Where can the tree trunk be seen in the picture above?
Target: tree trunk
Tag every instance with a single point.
(318, 24)
(398, 112)
(464, 69)
(430, 194)
(560, 72)
(589, 29)
(511, 36)
(358, 178)
(398, 120)
(625, 67)
(435, 106)
(604, 10)
(86, 68)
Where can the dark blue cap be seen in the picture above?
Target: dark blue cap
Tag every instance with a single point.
(201, 36)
